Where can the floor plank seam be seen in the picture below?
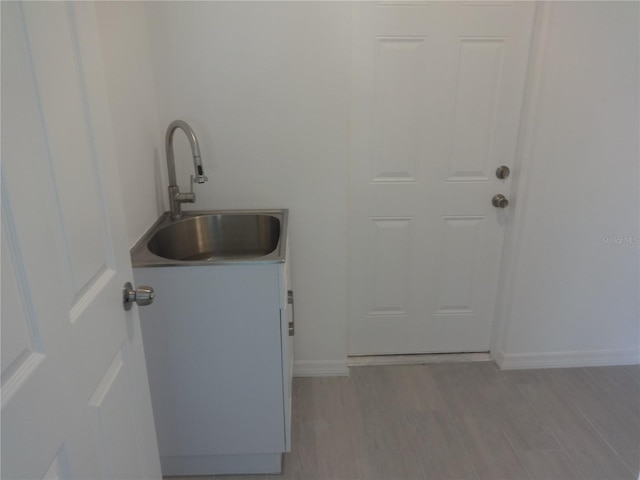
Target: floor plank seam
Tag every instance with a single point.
(605, 440)
(461, 442)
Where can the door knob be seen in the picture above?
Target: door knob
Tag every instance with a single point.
(142, 295)
(500, 201)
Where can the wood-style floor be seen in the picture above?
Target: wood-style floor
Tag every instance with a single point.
(465, 421)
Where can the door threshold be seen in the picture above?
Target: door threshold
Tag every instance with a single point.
(411, 359)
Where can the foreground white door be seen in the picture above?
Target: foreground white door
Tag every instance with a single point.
(75, 396)
(437, 92)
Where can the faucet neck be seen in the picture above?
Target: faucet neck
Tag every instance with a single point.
(176, 199)
(195, 151)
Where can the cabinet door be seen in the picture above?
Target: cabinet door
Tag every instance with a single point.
(212, 339)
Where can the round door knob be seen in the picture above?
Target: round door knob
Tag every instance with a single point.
(500, 201)
(142, 295)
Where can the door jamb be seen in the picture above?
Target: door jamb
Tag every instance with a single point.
(521, 182)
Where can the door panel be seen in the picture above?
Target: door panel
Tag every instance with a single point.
(399, 105)
(478, 78)
(64, 111)
(74, 386)
(437, 89)
(457, 279)
(389, 261)
(111, 399)
(18, 343)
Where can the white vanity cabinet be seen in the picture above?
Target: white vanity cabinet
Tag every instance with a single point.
(219, 355)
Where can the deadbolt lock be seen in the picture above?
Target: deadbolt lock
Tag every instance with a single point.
(502, 172)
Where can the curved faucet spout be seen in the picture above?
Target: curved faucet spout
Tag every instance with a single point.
(195, 151)
(175, 197)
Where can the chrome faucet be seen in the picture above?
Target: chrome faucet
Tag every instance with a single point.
(176, 199)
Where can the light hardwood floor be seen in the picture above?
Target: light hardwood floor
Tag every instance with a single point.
(465, 421)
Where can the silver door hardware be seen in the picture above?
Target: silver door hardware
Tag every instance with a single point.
(500, 201)
(142, 296)
(290, 302)
(502, 172)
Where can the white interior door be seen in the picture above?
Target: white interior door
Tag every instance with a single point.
(75, 396)
(437, 89)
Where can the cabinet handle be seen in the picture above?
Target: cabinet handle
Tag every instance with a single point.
(293, 317)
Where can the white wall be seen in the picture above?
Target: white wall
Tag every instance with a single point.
(574, 290)
(138, 136)
(265, 86)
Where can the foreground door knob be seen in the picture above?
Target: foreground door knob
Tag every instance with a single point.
(500, 201)
(142, 296)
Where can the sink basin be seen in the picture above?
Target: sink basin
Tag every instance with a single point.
(223, 235)
(213, 237)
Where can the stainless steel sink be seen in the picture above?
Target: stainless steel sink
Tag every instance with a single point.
(214, 237)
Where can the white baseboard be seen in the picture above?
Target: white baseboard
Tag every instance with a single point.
(417, 359)
(187, 465)
(506, 361)
(594, 358)
(320, 368)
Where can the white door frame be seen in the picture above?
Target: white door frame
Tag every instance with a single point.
(521, 182)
